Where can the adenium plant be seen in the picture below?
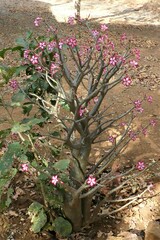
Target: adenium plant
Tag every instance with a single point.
(65, 88)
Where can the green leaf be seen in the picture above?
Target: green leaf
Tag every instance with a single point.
(34, 208)
(35, 164)
(17, 48)
(43, 176)
(18, 97)
(9, 195)
(38, 217)
(62, 164)
(23, 158)
(63, 227)
(20, 69)
(55, 134)
(33, 121)
(29, 34)
(4, 133)
(14, 149)
(26, 125)
(3, 51)
(39, 221)
(45, 162)
(18, 128)
(5, 180)
(27, 109)
(22, 42)
(8, 72)
(65, 105)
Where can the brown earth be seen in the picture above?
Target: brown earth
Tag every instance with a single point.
(14, 21)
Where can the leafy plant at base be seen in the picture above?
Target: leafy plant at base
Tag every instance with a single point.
(67, 95)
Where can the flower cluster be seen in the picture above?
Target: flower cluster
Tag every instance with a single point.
(13, 84)
(126, 81)
(54, 180)
(37, 21)
(82, 111)
(91, 181)
(138, 106)
(104, 27)
(24, 167)
(71, 20)
(113, 60)
(42, 45)
(111, 139)
(34, 59)
(134, 64)
(132, 135)
(150, 99)
(72, 42)
(140, 165)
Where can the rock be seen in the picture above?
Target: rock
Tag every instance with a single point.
(114, 238)
(153, 231)
(125, 236)
(129, 236)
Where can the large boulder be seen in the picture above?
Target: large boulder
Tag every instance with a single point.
(153, 231)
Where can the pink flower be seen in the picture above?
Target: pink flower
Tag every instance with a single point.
(126, 81)
(39, 68)
(72, 42)
(122, 59)
(104, 27)
(54, 68)
(52, 29)
(34, 59)
(13, 84)
(153, 122)
(111, 44)
(60, 45)
(138, 106)
(24, 167)
(136, 52)
(150, 99)
(26, 54)
(113, 61)
(14, 136)
(132, 135)
(71, 20)
(82, 111)
(98, 47)
(52, 45)
(150, 187)
(54, 180)
(139, 109)
(56, 55)
(91, 181)
(42, 45)
(102, 39)
(95, 33)
(111, 139)
(37, 21)
(123, 37)
(122, 124)
(95, 99)
(137, 103)
(140, 165)
(133, 63)
(144, 131)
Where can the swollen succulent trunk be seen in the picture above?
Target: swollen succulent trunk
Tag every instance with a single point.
(73, 210)
(79, 161)
(76, 209)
